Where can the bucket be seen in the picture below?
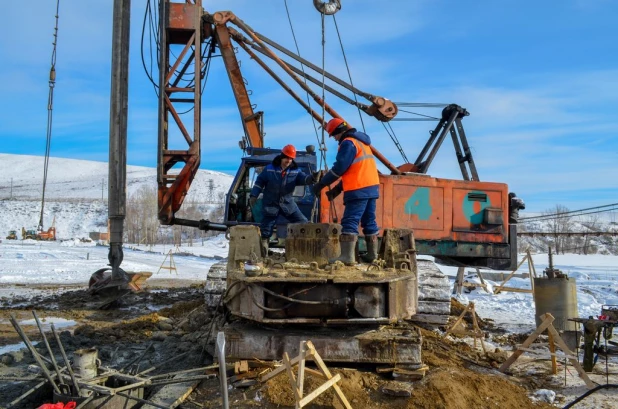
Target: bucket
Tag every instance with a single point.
(87, 363)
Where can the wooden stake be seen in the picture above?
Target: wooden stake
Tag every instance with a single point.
(572, 359)
(301, 370)
(288, 368)
(307, 351)
(318, 360)
(459, 281)
(547, 324)
(460, 318)
(499, 288)
(172, 266)
(477, 330)
(539, 330)
(552, 349)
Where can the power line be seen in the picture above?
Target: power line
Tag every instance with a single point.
(567, 234)
(572, 213)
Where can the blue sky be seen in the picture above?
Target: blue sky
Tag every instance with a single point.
(539, 79)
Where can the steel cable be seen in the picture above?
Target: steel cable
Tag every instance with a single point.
(50, 113)
(302, 67)
(345, 59)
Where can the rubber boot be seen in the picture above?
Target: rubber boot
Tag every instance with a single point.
(348, 250)
(264, 244)
(371, 240)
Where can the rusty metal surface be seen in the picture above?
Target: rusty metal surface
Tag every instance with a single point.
(313, 242)
(384, 345)
(182, 16)
(436, 209)
(293, 293)
(398, 248)
(180, 23)
(250, 121)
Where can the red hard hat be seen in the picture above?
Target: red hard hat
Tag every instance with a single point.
(289, 151)
(335, 124)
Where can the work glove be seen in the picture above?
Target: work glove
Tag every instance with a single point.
(317, 188)
(334, 192)
(252, 201)
(316, 176)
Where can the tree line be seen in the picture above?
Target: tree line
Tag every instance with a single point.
(142, 225)
(558, 222)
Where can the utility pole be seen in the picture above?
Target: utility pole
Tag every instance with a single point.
(102, 185)
(11, 189)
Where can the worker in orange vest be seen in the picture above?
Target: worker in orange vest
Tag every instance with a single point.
(356, 166)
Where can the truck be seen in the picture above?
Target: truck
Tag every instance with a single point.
(49, 234)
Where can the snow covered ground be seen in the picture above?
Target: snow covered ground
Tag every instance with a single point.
(72, 262)
(597, 285)
(76, 193)
(28, 265)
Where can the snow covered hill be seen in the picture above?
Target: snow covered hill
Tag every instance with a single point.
(594, 243)
(76, 192)
(76, 195)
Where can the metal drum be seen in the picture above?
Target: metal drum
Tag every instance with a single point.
(557, 296)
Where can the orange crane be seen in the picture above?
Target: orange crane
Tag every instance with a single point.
(460, 221)
(463, 221)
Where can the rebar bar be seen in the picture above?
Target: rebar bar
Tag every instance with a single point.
(66, 359)
(49, 351)
(34, 353)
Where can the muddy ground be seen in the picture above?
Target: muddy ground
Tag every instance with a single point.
(171, 329)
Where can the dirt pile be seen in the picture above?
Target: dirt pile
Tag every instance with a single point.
(169, 328)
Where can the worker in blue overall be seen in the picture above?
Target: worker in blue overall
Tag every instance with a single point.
(277, 183)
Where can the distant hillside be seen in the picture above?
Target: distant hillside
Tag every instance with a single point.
(76, 196)
(577, 244)
(76, 193)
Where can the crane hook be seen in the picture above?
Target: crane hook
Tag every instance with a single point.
(327, 8)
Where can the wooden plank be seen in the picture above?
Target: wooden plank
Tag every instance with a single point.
(515, 290)
(573, 360)
(292, 379)
(477, 330)
(552, 349)
(278, 370)
(315, 373)
(430, 319)
(174, 394)
(466, 284)
(542, 353)
(301, 371)
(318, 360)
(320, 390)
(460, 318)
(459, 281)
(544, 325)
(531, 266)
(499, 288)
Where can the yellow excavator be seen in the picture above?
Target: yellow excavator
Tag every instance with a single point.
(28, 234)
(12, 235)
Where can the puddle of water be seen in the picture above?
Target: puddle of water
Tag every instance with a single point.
(13, 347)
(24, 291)
(47, 321)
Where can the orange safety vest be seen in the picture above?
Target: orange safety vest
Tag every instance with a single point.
(363, 171)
